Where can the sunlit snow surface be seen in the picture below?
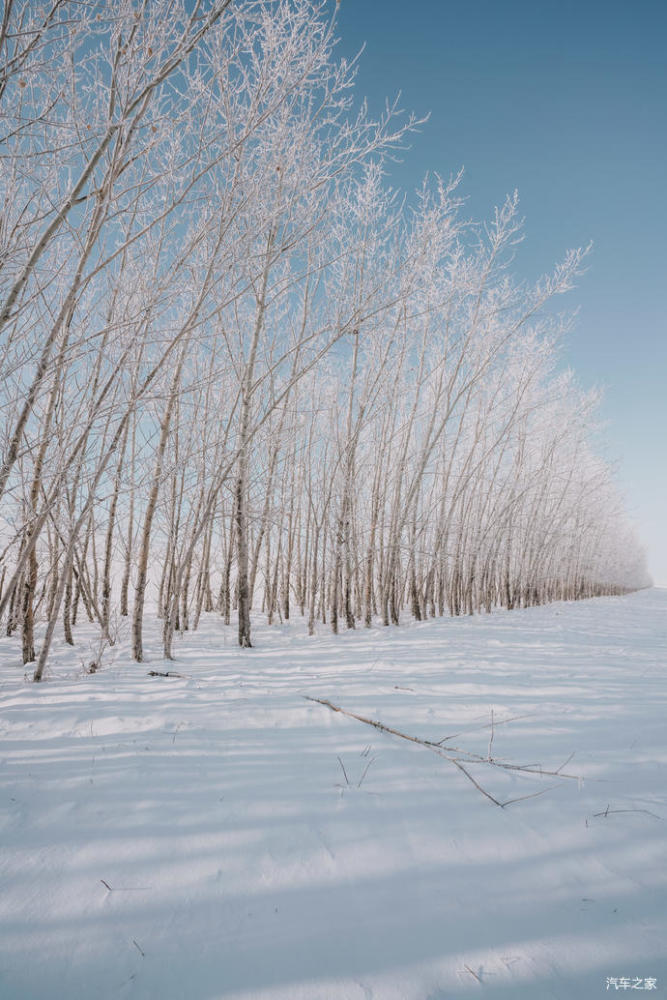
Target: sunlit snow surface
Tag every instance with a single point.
(246, 860)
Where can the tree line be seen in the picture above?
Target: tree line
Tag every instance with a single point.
(238, 371)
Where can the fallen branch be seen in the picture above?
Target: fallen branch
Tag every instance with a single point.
(469, 758)
(160, 673)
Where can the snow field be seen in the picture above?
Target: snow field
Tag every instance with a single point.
(216, 835)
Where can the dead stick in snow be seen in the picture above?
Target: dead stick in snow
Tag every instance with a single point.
(361, 779)
(609, 811)
(347, 782)
(118, 888)
(437, 748)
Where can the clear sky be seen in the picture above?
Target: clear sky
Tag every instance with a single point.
(566, 102)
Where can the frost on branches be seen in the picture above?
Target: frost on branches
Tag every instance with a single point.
(237, 373)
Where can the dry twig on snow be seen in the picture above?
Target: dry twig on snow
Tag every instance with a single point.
(469, 758)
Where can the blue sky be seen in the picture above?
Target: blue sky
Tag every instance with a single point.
(566, 102)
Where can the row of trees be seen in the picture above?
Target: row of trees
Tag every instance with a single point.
(236, 371)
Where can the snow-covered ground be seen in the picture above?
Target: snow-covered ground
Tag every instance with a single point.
(218, 835)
